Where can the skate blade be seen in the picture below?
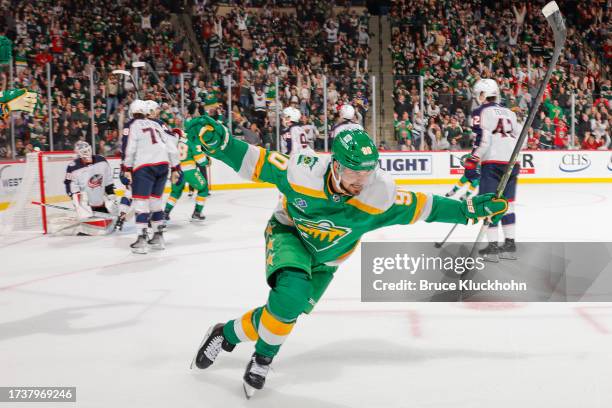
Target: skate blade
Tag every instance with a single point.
(491, 258)
(197, 221)
(248, 390)
(158, 247)
(143, 251)
(508, 255)
(193, 361)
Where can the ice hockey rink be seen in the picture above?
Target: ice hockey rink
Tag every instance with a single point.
(123, 328)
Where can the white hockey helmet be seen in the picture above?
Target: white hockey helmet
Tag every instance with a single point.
(138, 106)
(486, 88)
(292, 114)
(83, 150)
(347, 112)
(152, 106)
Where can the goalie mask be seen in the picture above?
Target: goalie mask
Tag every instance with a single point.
(83, 151)
(357, 159)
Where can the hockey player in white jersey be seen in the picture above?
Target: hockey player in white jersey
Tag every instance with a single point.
(89, 183)
(293, 138)
(347, 121)
(497, 131)
(310, 131)
(148, 153)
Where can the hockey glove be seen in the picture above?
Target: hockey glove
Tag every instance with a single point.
(484, 206)
(18, 100)
(472, 167)
(176, 175)
(211, 134)
(125, 176)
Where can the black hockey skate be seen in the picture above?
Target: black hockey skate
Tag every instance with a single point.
(157, 242)
(508, 250)
(197, 217)
(490, 253)
(211, 346)
(120, 222)
(255, 374)
(140, 246)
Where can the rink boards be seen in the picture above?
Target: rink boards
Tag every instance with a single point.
(405, 167)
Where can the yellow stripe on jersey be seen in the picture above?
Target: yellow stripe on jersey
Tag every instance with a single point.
(364, 207)
(308, 191)
(259, 165)
(421, 200)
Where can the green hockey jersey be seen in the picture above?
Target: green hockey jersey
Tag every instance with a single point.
(331, 224)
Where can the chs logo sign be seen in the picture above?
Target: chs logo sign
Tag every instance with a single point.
(404, 165)
(574, 162)
(526, 161)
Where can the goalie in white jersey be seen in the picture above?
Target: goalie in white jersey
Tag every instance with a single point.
(148, 153)
(497, 132)
(293, 137)
(89, 183)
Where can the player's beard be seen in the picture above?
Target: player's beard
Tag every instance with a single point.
(352, 189)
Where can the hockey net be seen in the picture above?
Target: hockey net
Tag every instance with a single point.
(40, 204)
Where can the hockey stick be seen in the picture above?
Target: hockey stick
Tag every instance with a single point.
(127, 74)
(555, 20)
(439, 244)
(60, 207)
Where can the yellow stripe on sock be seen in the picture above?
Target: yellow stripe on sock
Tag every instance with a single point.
(247, 326)
(200, 199)
(275, 326)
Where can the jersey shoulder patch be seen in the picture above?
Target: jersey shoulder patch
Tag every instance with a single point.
(306, 172)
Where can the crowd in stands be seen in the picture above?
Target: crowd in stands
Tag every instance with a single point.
(278, 54)
(74, 36)
(453, 44)
(280, 57)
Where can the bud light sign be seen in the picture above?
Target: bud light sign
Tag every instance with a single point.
(573, 162)
(406, 165)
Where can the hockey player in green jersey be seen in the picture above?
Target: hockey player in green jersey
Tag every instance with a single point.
(192, 160)
(327, 204)
(472, 178)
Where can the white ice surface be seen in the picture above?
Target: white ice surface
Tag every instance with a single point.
(122, 328)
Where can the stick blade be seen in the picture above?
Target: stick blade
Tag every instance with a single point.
(550, 8)
(121, 72)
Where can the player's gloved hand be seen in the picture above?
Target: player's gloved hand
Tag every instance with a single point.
(110, 202)
(125, 176)
(176, 175)
(211, 134)
(18, 100)
(484, 206)
(471, 164)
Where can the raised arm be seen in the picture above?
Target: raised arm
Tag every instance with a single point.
(251, 162)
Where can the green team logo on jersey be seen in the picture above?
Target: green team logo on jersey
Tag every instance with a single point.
(308, 161)
(320, 235)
